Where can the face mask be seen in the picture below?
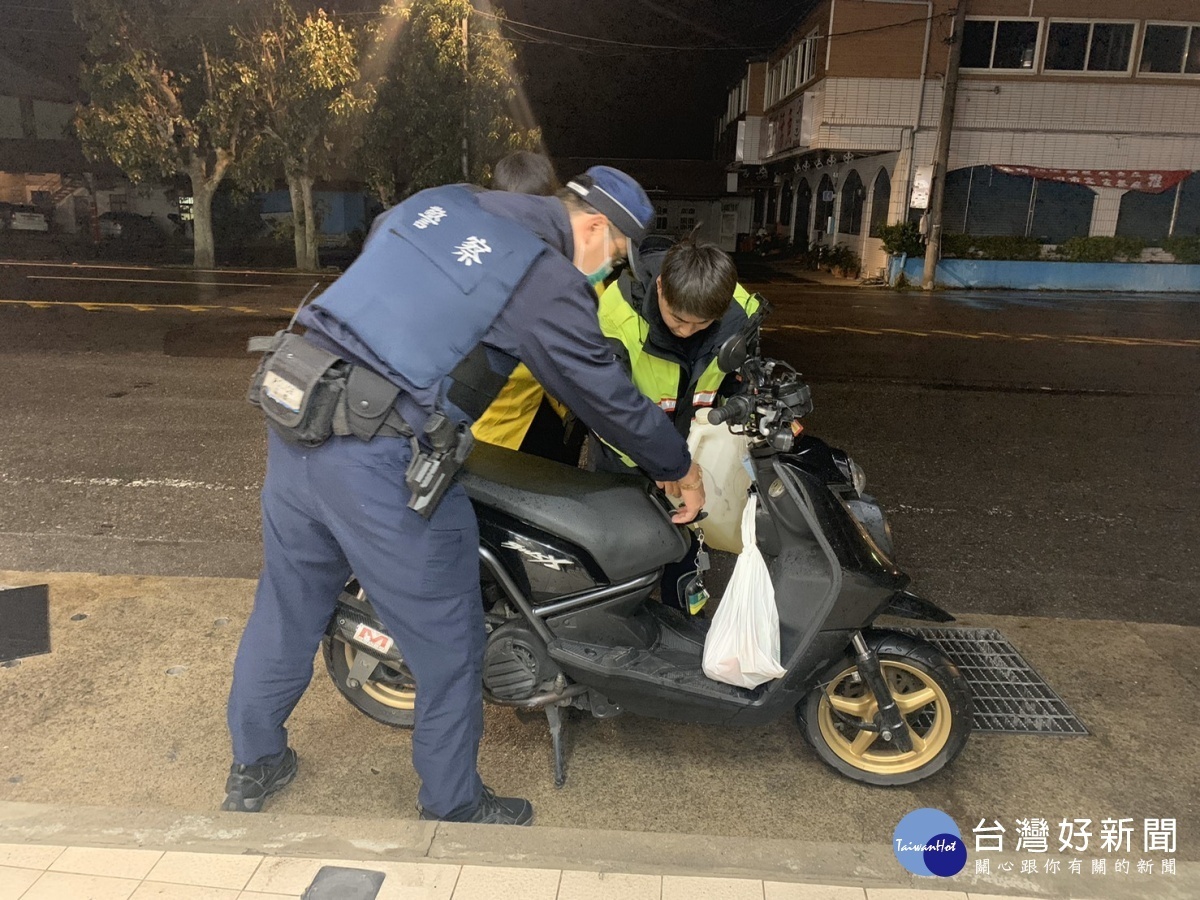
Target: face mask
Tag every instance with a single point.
(600, 274)
(606, 267)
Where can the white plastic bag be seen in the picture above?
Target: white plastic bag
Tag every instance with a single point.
(742, 646)
(721, 454)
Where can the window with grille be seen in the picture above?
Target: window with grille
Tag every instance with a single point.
(803, 210)
(1170, 50)
(798, 67)
(1089, 46)
(881, 193)
(853, 198)
(808, 63)
(1005, 44)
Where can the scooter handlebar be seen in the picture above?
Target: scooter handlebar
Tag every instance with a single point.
(736, 408)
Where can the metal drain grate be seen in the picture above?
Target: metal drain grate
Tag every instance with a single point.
(1010, 697)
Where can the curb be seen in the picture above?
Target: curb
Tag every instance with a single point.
(400, 840)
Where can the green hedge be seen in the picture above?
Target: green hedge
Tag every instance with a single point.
(1184, 249)
(843, 261)
(1102, 249)
(903, 238)
(967, 246)
(1076, 249)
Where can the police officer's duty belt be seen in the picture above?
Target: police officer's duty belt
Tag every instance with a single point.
(310, 394)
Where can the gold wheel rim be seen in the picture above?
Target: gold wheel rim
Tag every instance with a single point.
(387, 694)
(847, 699)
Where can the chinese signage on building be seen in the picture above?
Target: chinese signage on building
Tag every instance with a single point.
(922, 185)
(783, 127)
(1150, 181)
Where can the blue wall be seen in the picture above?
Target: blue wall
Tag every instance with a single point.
(340, 212)
(1054, 276)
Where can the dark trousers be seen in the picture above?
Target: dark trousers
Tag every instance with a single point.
(338, 508)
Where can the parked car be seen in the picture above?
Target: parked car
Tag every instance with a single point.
(22, 217)
(132, 228)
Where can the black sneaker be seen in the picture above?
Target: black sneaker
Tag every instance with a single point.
(492, 810)
(248, 786)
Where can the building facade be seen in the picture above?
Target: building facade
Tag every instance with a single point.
(1070, 119)
(42, 164)
(690, 196)
(35, 116)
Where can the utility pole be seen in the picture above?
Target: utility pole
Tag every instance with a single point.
(1175, 210)
(466, 110)
(941, 157)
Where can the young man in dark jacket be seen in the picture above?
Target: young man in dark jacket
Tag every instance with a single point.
(666, 323)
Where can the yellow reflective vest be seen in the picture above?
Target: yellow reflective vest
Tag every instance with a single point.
(506, 421)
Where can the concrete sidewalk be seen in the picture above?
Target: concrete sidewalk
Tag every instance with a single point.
(754, 269)
(75, 853)
(117, 739)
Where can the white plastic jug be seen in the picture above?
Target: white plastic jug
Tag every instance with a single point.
(720, 454)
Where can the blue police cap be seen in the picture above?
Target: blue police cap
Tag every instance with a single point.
(615, 194)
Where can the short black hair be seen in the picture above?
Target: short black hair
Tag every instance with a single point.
(698, 279)
(525, 172)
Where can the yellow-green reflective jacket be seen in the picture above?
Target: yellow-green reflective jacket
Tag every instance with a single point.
(660, 374)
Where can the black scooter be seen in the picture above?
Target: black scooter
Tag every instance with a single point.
(570, 558)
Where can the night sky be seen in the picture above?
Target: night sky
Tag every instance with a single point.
(595, 99)
(591, 98)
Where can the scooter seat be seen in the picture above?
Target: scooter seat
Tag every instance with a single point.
(612, 517)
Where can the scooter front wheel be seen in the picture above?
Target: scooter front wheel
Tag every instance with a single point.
(840, 717)
(388, 696)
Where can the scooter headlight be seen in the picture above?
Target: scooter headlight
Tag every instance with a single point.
(857, 476)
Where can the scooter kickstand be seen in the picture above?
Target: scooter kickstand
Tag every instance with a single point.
(555, 718)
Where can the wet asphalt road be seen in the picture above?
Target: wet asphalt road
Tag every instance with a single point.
(1036, 453)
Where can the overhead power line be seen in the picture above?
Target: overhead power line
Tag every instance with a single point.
(921, 20)
(527, 38)
(584, 37)
(646, 46)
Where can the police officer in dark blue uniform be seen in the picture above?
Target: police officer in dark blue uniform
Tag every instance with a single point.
(453, 287)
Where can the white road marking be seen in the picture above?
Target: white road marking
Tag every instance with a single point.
(143, 307)
(1103, 340)
(1000, 512)
(91, 535)
(170, 483)
(54, 265)
(121, 268)
(176, 282)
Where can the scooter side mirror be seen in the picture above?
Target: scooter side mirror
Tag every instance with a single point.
(733, 353)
